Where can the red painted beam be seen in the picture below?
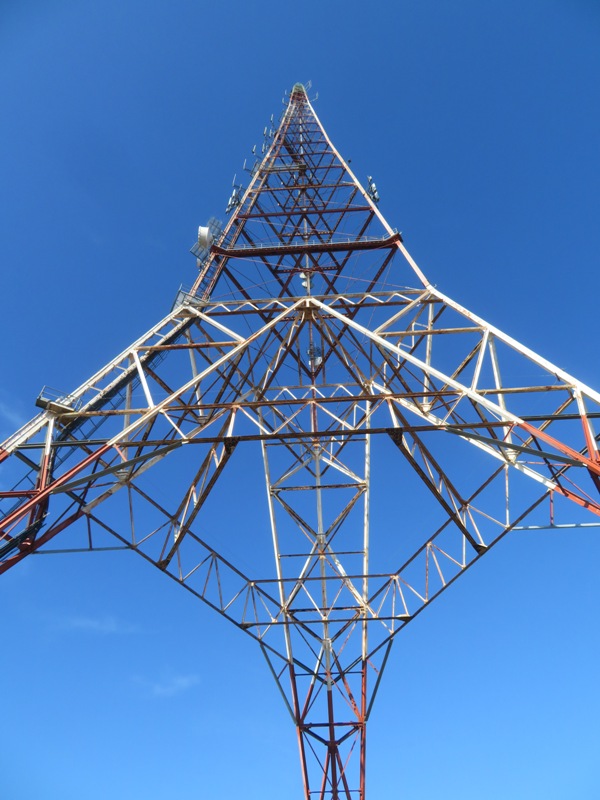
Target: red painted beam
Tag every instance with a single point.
(305, 247)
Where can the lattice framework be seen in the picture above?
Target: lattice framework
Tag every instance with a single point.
(310, 346)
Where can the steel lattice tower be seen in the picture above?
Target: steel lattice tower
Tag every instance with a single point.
(310, 347)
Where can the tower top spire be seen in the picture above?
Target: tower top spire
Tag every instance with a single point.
(303, 213)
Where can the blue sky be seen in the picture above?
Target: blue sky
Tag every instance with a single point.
(123, 125)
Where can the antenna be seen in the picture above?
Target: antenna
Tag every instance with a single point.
(306, 281)
(207, 236)
(236, 195)
(372, 189)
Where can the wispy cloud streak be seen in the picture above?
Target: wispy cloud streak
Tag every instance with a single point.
(9, 418)
(102, 625)
(177, 684)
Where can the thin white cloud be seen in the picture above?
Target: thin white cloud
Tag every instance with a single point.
(10, 421)
(102, 625)
(177, 684)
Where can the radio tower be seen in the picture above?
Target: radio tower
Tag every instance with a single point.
(310, 347)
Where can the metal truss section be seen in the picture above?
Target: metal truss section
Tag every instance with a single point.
(312, 349)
